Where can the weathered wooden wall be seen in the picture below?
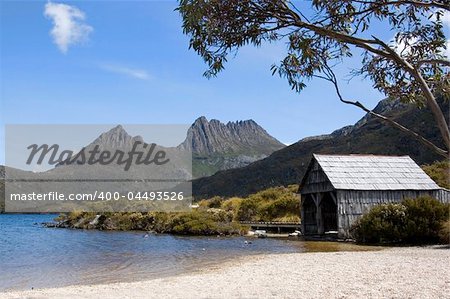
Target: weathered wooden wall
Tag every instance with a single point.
(316, 181)
(443, 195)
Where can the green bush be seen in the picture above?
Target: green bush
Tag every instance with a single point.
(281, 207)
(194, 223)
(384, 223)
(269, 205)
(202, 223)
(424, 219)
(439, 172)
(232, 204)
(248, 210)
(288, 218)
(220, 215)
(444, 232)
(215, 202)
(414, 221)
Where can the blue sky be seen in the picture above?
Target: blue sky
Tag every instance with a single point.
(134, 67)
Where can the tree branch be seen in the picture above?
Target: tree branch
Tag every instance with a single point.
(342, 37)
(434, 61)
(431, 100)
(430, 4)
(389, 53)
(330, 76)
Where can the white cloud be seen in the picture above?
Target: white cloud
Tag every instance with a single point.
(69, 27)
(128, 71)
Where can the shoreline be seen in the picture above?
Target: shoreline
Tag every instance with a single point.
(309, 247)
(415, 272)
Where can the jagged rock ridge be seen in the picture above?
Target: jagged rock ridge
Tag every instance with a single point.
(242, 137)
(218, 146)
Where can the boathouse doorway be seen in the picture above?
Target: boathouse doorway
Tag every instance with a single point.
(319, 213)
(329, 212)
(309, 211)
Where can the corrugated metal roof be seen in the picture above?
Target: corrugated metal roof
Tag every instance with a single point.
(369, 172)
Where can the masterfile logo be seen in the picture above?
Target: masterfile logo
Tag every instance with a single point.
(60, 168)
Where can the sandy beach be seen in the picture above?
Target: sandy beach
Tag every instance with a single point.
(414, 272)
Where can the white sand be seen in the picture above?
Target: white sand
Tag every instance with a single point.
(390, 273)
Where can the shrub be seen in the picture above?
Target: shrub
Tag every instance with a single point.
(232, 204)
(248, 210)
(202, 223)
(193, 223)
(75, 215)
(215, 202)
(220, 215)
(424, 219)
(203, 204)
(414, 221)
(384, 223)
(281, 207)
(288, 218)
(160, 221)
(126, 221)
(293, 188)
(439, 172)
(444, 232)
(270, 204)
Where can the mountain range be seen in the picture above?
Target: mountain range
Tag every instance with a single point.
(240, 158)
(367, 136)
(214, 146)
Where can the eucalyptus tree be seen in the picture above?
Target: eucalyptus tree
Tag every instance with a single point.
(410, 65)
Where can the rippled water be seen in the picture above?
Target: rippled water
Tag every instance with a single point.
(34, 256)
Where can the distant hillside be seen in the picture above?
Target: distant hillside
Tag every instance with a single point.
(217, 146)
(367, 136)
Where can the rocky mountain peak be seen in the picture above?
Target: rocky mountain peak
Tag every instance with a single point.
(117, 137)
(209, 137)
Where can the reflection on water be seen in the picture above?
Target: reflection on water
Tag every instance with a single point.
(34, 256)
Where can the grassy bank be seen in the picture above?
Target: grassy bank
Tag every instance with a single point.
(215, 216)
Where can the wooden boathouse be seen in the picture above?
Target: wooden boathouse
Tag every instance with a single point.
(337, 189)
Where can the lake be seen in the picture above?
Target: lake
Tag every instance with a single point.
(34, 256)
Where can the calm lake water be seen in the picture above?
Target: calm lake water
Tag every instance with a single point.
(34, 256)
